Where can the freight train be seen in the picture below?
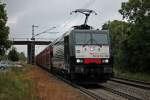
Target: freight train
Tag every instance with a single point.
(82, 53)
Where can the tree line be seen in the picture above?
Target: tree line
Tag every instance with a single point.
(13, 55)
(131, 38)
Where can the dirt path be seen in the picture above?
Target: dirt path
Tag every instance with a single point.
(49, 87)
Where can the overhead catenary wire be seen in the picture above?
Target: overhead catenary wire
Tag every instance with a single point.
(46, 31)
(69, 19)
(87, 5)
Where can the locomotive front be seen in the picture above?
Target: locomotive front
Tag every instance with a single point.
(91, 54)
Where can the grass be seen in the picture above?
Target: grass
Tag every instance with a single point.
(13, 85)
(141, 76)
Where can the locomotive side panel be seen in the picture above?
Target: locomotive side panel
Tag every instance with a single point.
(58, 55)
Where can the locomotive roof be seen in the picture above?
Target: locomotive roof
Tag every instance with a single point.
(94, 30)
(78, 30)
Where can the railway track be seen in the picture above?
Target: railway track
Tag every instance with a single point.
(124, 95)
(85, 91)
(104, 92)
(135, 83)
(94, 94)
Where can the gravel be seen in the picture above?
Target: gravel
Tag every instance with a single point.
(130, 90)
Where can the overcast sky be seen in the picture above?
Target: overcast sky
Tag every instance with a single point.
(22, 14)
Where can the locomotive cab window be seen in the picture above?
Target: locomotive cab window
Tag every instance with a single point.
(82, 38)
(99, 38)
(91, 38)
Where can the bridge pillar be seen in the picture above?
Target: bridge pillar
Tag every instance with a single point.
(31, 53)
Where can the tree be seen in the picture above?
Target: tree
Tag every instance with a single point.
(4, 30)
(13, 55)
(22, 56)
(105, 26)
(137, 13)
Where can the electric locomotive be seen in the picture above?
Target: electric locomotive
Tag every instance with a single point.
(83, 53)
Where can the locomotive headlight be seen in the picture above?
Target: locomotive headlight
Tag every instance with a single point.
(79, 61)
(105, 61)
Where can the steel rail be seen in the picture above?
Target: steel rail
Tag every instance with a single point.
(129, 97)
(93, 95)
(138, 81)
(81, 89)
(138, 84)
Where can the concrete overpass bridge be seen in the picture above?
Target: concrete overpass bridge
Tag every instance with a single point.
(31, 45)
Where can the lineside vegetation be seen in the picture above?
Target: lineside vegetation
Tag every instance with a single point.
(131, 37)
(15, 86)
